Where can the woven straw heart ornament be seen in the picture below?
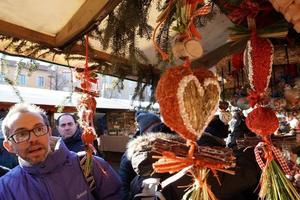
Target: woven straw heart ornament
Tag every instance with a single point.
(188, 100)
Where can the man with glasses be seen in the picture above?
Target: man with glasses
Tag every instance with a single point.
(47, 169)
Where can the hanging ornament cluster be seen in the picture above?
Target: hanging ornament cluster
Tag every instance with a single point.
(188, 101)
(290, 9)
(186, 42)
(258, 57)
(86, 107)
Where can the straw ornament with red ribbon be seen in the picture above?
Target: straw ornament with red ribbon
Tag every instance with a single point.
(187, 11)
(258, 57)
(188, 101)
(86, 107)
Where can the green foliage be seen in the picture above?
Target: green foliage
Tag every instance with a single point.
(277, 186)
(15, 89)
(127, 23)
(123, 26)
(32, 67)
(61, 106)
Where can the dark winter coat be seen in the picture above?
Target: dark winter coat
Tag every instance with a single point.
(240, 186)
(240, 129)
(7, 159)
(126, 170)
(127, 174)
(3, 170)
(75, 143)
(140, 155)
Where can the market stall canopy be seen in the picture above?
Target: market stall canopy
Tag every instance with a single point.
(59, 25)
(54, 23)
(53, 31)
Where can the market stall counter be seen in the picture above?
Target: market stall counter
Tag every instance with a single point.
(115, 143)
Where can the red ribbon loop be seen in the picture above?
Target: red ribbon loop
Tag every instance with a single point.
(246, 9)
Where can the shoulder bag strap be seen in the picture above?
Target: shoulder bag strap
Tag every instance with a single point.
(89, 178)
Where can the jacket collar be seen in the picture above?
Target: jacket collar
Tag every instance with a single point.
(74, 138)
(58, 157)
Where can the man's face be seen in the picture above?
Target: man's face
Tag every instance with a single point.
(67, 127)
(36, 148)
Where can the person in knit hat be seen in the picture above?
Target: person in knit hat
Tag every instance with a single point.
(146, 121)
(240, 186)
(215, 133)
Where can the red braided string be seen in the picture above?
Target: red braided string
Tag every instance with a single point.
(86, 68)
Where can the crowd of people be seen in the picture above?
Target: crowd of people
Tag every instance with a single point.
(37, 165)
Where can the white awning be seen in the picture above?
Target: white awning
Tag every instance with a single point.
(56, 98)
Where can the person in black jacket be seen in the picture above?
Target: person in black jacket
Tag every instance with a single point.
(3, 170)
(215, 133)
(7, 159)
(70, 131)
(146, 122)
(240, 186)
(239, 129)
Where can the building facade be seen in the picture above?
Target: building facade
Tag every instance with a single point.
(54, 77)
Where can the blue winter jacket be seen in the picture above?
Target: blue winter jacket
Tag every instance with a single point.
(59, 177)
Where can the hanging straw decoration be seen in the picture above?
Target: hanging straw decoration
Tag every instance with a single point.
(188, 100)
(187, 42)
(258, 57)
(86, 107)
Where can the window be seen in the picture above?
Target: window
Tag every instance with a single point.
(40, 81)
(22, 79)
(67, 76)
(2, 78)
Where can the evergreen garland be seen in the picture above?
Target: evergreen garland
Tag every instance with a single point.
(120, 33)
(127, 23)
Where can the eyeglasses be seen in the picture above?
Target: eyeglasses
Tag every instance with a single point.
(24, 135)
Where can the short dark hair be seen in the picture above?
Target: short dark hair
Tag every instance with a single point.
(66, 114)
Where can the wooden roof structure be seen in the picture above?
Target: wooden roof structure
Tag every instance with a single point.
(57, 28)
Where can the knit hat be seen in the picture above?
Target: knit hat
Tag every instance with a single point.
(145, 120)
(137, 113)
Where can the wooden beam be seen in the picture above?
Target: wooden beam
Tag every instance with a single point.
(213, 57)
(280, 58)
(127, 69)
(98, 55)
(87, 17)
(226, 50)
(12, 30)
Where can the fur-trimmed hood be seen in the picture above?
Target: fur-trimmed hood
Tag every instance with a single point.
(139, 151)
